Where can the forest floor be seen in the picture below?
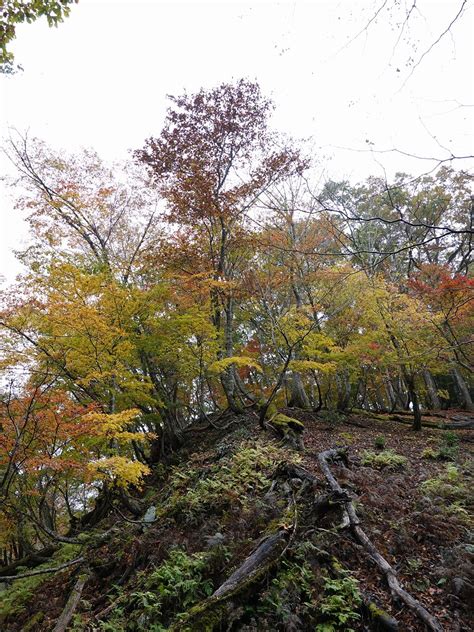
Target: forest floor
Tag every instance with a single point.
(222, 494)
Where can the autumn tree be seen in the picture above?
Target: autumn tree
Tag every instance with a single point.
(78, 208)
(399, 226)
(449, 298)
(213, 160)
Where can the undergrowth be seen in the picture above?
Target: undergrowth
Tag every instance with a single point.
(449, 491)
(447, 450)
(387, 459)
(304, 595)
(17, 596)
(167, 592)
(340, 603)
(233, 480)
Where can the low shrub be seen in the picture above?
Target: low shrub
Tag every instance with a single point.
(387, 459)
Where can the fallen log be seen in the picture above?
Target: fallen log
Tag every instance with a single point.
(442, 425)
(380, 620)
(31, 560)
(268, 551)
(71, 604)
(396, 590)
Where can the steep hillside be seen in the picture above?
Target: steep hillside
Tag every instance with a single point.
(243, 532)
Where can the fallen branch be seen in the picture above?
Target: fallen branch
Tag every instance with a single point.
(390, 574)
(61, 567)
(71, 604)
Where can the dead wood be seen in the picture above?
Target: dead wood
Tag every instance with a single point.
(55, 569)
(31, 560)
(290, 470)
(448, 424)
(396, 590)
(71, 604)
(269, 550)
(353, 422)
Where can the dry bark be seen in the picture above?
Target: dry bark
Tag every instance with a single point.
(267, 552)
(71, 604)
(390, 574)
(55, 569)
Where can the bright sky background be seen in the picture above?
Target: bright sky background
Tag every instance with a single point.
(101, 79)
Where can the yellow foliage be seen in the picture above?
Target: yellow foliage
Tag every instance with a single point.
(111, 425)
(310, 365)
(240, 361)
(119, 470)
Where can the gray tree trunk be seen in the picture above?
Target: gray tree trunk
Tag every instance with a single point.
(343, 389)
(463, 389)
(298, 396)
(433, 398)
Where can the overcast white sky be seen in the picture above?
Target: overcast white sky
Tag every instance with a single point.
(101, 78)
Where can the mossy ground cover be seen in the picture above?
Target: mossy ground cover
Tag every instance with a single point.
(221, 497)
(17, 596)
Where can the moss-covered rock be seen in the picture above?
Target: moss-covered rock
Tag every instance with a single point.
(285, 424)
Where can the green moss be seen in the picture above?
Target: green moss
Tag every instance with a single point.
(387, 459)
(347, 437)
(272, 410)
(31, 624)
(16, 597)
(204, 617)
(285, 424)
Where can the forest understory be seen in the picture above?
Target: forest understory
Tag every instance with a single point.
(230, 490)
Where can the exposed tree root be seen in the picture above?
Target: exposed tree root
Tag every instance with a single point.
(71, 604)
(396, 590)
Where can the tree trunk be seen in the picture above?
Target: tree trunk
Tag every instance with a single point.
(281, 378)
(399, 391)
(433, 399)
(463, 389)
(343, 390)
(391, 396)
(228, 377)
(298, 397)
(410, 382)
(361, 393)
(379, 396)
